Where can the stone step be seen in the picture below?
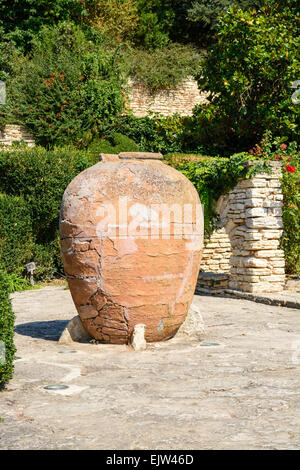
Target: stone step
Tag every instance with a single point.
(209, 281)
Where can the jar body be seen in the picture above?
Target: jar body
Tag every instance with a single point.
(131, 248)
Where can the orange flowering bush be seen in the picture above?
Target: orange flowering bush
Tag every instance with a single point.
(66, 87)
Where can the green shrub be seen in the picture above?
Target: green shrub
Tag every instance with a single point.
(291, 205)
(40, 177)
(249, 72)
(34, 181)
(68, 85)
(16, 283)
(214, 177)
(16, 238)
(116, 18)
(124, 143)
(48, 261)
(172, 134)
(21, 21)
(207, 12)
(163, 68)
(208, 130)
(6, 332)
(152, 133)
(279, 150)
(114, 144)
(143, 130)
(291, 215)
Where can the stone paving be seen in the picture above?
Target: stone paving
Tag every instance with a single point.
(237, 388)
(284, 298)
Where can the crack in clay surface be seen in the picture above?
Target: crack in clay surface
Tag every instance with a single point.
(126, 281)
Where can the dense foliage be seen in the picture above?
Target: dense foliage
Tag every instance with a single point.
(185, 134)
(291, 212)
(114, 143)
(249, 72)
(214, 177)
(149, 24)
(145, 25)
(6, 331)
(22, 20)
(163, 68)
(16, 238)
(33, 181)
(67, 86)
(289, 155)
(162, 134)
(117, 18)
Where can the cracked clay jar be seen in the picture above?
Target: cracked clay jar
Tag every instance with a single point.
(131, 230)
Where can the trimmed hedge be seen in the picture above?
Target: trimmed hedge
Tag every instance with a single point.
(6, 331)
(40, 177)
(16, 238)
(116, 143)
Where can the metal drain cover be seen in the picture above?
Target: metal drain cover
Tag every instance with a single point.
(56, 387)
(69, 351)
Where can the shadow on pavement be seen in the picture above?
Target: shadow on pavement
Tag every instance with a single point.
(50, 330)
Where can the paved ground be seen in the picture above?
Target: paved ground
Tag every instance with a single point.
(241, 393)
(285, 298)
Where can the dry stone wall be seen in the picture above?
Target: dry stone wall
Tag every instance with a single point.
(179, 100)
(251, 215)
(217, 253)
(15, 133)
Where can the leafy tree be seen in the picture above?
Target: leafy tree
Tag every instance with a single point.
(207, 12)
(249, 72)
(21, 20)
(117, 18)
(156, 18)
(7, 51)
(149, 24)
(67, 86)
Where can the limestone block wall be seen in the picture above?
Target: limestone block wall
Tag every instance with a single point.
(251, 215)
(14, 132)
(217, 253)
(179, 100)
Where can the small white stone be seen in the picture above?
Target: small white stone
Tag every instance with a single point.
(138, 341)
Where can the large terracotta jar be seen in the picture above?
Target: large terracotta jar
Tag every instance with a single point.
(131, 240)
